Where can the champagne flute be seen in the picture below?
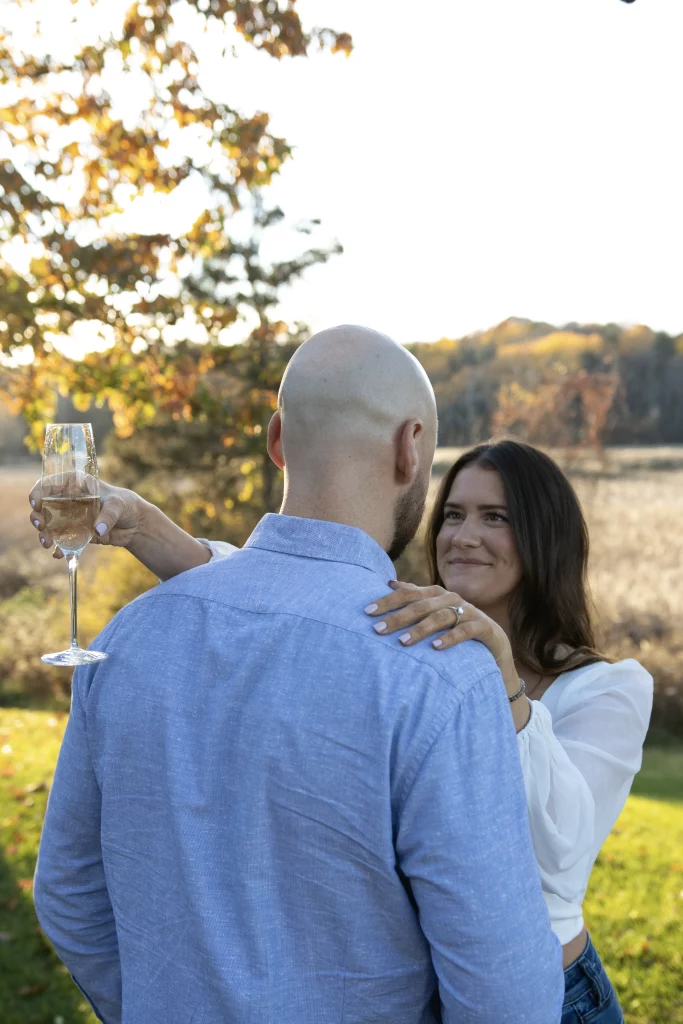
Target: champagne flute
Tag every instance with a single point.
(71, 502)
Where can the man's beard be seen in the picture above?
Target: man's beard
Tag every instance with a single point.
(407, 517)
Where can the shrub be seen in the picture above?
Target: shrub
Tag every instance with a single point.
(35, 621)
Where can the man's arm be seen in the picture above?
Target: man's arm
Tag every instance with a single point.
(464, 844)
(70, 890)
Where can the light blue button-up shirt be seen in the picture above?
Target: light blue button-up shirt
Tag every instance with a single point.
(264, 813)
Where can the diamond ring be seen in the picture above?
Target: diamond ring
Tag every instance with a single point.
(459, 612)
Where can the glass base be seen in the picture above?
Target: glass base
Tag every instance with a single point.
(74, 656)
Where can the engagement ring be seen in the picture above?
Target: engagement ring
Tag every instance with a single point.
(459, 612)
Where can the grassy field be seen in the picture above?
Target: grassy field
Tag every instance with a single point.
(634, 907)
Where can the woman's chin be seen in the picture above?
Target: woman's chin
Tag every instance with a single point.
(463, 588)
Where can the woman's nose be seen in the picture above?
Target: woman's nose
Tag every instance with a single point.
(467, 536)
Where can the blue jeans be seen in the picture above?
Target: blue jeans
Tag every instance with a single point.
(589, 997)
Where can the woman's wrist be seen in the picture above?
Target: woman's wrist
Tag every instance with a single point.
(163, 546)
(521, 712)
(521, 707)
(508, 670)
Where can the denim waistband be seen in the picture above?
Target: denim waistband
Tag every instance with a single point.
(589, 964)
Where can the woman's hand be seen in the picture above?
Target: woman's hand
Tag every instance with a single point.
(420, 612)
(126, 520)
(119, 521)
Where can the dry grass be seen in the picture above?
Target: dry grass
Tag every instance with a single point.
(635, 572)
(637, 547)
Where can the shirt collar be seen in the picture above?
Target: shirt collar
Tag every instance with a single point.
(315, 538)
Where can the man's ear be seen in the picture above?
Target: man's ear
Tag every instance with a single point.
(275, 440)
(407, 455)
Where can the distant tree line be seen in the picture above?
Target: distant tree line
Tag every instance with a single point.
(579, 384)
(576, 385)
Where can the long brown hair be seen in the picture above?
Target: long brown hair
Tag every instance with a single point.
(549, 608)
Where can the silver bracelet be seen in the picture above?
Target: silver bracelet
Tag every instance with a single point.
(520, 691)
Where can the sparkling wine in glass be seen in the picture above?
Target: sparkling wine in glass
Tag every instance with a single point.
(71, 501)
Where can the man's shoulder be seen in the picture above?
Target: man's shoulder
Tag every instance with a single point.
(460, 667)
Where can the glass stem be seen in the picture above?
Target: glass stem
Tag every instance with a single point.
(72, 563)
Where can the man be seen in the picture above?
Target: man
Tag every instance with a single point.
(263, 813)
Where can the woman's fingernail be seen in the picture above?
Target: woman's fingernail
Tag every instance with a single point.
(437, 643)
(379, 627)
(42, 540)
(405, 638)
(101, 529)
(33, 503)
(390, 583)
(36, 522)
(371, 608)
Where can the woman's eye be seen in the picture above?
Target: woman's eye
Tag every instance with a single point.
(451, 515)
(498, 517)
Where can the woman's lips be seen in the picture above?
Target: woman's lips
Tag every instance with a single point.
(468, 565)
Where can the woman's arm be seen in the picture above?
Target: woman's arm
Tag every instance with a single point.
(578, 766)
(127, 520)
(164, 547)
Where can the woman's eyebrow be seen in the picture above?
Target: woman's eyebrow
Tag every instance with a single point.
(481, 508)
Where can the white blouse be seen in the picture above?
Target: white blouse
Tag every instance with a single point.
(580, 750)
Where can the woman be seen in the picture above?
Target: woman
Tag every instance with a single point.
(508, 552)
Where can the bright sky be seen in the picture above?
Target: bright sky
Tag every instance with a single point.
(480, 159)
(490, 158)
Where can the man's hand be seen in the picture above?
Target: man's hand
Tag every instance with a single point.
(120, 519)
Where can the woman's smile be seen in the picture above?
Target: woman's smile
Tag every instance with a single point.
(467, 562)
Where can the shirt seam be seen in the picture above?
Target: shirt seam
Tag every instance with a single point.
(401, 652)
(83, 697)
(314, 557)
(435, 736)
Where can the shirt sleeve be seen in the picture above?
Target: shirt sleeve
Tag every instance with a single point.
(464, 846)
(70, 890)
(218, 548)
(578, 767)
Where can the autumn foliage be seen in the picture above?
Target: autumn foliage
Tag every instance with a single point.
(579, 385)
(72, 169)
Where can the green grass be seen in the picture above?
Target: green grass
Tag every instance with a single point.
(35, 987)
(634, 907)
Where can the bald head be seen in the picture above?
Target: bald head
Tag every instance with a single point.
(356, 431)
(351, 384)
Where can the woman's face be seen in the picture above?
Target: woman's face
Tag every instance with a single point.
(475, 549)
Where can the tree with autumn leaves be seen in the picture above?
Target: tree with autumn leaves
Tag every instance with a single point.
(69, 171)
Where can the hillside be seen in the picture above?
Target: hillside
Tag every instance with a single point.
(562, 386)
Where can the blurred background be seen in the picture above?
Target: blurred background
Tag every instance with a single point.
(189, 188)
